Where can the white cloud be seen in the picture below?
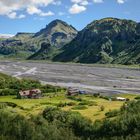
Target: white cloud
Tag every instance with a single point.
(121, 1)
(76, 9)
(84, 2)
(34, 10)
(81, 2)
(13, 15)
(10, 7)
(50, 13)
(98, 1)
(6, 35)
(40, 2)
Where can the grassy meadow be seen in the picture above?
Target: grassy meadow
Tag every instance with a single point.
(87, 105)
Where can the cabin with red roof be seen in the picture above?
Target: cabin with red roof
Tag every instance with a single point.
(31, 94)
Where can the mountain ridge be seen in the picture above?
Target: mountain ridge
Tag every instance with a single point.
(57, 35)
(108, 40)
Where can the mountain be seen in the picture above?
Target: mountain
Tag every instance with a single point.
(45, 52)
(109, 40)
(57, 33)
(17, 46)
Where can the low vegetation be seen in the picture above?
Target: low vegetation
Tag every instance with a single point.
(12, 86)
(56, 116)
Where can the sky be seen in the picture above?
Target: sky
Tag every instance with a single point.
(33, 15)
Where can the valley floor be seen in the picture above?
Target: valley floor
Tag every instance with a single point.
(93, 78)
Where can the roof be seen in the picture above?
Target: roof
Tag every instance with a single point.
(28, 92)
(70, 89)
(121, 98)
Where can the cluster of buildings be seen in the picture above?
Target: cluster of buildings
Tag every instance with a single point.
(36, 93)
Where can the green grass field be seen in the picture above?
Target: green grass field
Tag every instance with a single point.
(88, 105)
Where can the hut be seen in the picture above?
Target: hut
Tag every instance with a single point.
(72, 91)
(33, 94)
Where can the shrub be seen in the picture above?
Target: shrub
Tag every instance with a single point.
(105, 97)
(96, 94)
(79, 107)
(5, 92)
(137, 98)
(61, 104)
(11, 104)
(71, 103)
(89, 103)
(102, 108)
(75, 98)
(3, 105)
(112, 113)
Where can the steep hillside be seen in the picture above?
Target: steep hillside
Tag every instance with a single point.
(108, 40)
(45, 52)
(57, 33)
(17, 46)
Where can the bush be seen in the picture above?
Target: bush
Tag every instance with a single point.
(79, 107)
(96, 94)
(112, 113)
(105, 97)
(11, 104)
(137, 98)
(71, 103)
(5, 92)
(12, 86)
(61, 104)
(75, 98)
(89, 103)
(3, 105)
(50, 89)
(102, 108)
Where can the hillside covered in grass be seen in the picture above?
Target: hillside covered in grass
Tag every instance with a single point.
(108, 40)
(11, 86)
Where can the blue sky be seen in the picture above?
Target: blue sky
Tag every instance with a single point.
(32, 15)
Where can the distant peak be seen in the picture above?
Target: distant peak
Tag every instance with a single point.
(110, 20)
(57, 21)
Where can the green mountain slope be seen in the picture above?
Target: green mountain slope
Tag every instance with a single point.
(17, 46)
(108, 40)
(45, 52)
(57, 33)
